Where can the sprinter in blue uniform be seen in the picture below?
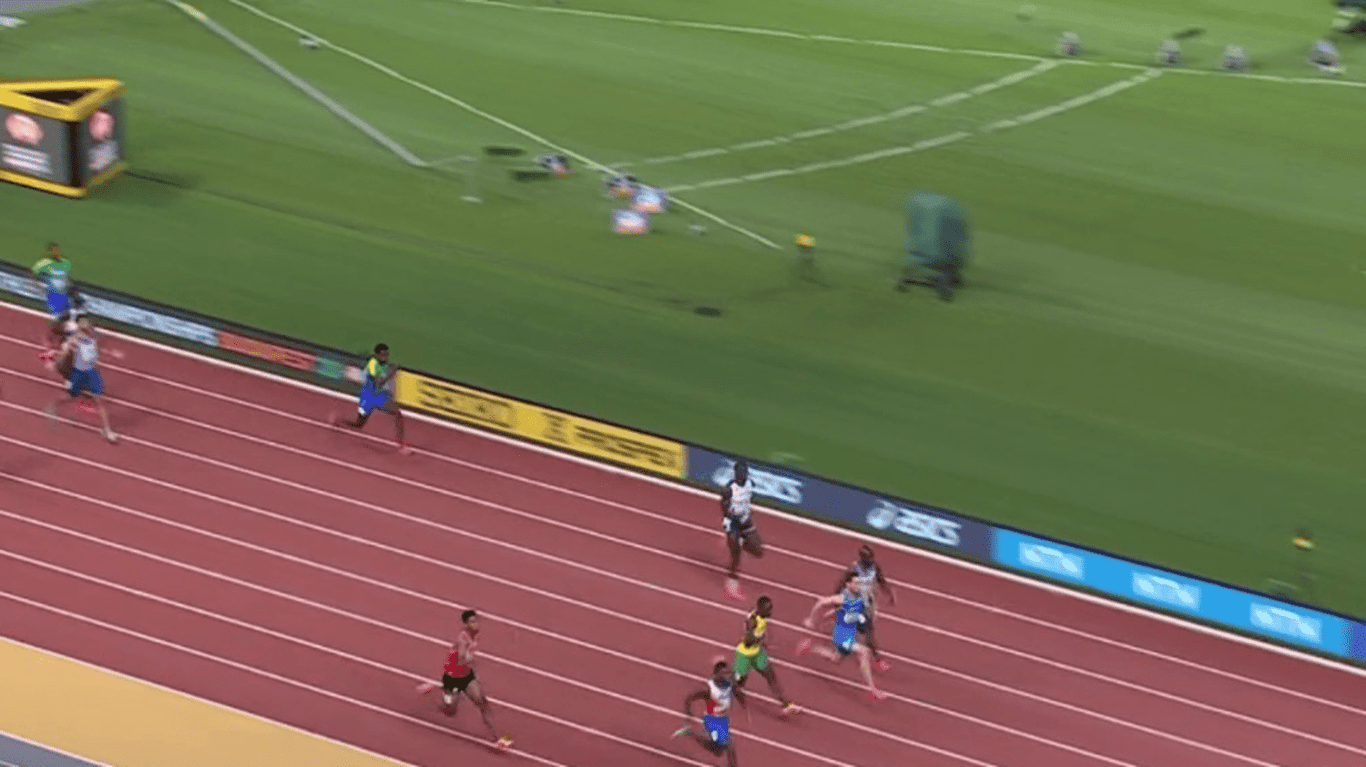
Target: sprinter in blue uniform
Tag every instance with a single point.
(847, 611)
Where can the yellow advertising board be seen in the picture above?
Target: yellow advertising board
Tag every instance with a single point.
(541, 424)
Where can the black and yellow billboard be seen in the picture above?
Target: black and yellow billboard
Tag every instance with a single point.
(61, 136)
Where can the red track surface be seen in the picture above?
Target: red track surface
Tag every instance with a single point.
(235, 548)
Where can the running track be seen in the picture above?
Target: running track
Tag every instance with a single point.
(235, 548)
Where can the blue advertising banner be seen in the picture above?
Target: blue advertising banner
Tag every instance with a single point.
(890, 518)
(1358, 649)
(1231, 607)
(102, 305)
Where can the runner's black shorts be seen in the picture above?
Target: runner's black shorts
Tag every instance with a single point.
(735, 529)
(452, 685)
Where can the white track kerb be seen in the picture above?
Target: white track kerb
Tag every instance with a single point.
(684, 488)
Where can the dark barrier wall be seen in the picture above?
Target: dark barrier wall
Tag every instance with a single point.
(891, 518)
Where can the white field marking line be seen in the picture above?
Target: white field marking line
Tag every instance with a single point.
(768, 32)
(745, 30)
(614, 576)
(385, 668)
(920, 146)
(860, 122)
(83, 760)
(626, 617)
(553, 635)
(490, 117)
(407, 719)
(777, 514)
(782, 517)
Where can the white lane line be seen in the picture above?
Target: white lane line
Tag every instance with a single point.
(607, 574)
(807, 710)
(468, 107)
(894, 114)
(599, 609)
(776, 514)
(252, 670)
(385, 668)
(938, 141)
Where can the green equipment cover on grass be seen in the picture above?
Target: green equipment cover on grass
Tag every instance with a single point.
(939, 232)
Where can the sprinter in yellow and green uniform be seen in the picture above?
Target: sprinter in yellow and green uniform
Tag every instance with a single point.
(752, 654)
(377, 393)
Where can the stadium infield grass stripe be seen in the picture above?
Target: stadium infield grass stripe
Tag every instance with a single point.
(944, 140)
(788, 34)
(859, 122)
(545, 142)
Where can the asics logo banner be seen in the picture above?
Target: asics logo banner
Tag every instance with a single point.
(788, 490)
(916, 524)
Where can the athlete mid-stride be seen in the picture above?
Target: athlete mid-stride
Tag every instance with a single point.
(871, 580)
(736, 520)
(848, 611)
(719, 693)
(457, 678)
(751, 654)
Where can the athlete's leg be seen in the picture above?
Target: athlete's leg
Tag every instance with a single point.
(753, 544)
(391, 408)
(730, 755)
(733, 542)
(869, 631)
(732, 572)
(475, 691)
(771, 677)
(865, 666)
(104, 416)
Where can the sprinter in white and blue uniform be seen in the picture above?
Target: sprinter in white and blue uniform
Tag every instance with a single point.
(848, 611)
(720, 693)
(738, 523)
(868, 573)
(80, 358)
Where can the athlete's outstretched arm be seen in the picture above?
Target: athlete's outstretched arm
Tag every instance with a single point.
(821, 603)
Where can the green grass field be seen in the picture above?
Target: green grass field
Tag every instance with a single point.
(1160, 353)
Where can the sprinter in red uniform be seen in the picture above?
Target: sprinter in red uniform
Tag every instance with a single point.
(457, 677)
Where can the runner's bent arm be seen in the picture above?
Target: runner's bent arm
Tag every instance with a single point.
(886, 587)
(849, 573)
(688, 701)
